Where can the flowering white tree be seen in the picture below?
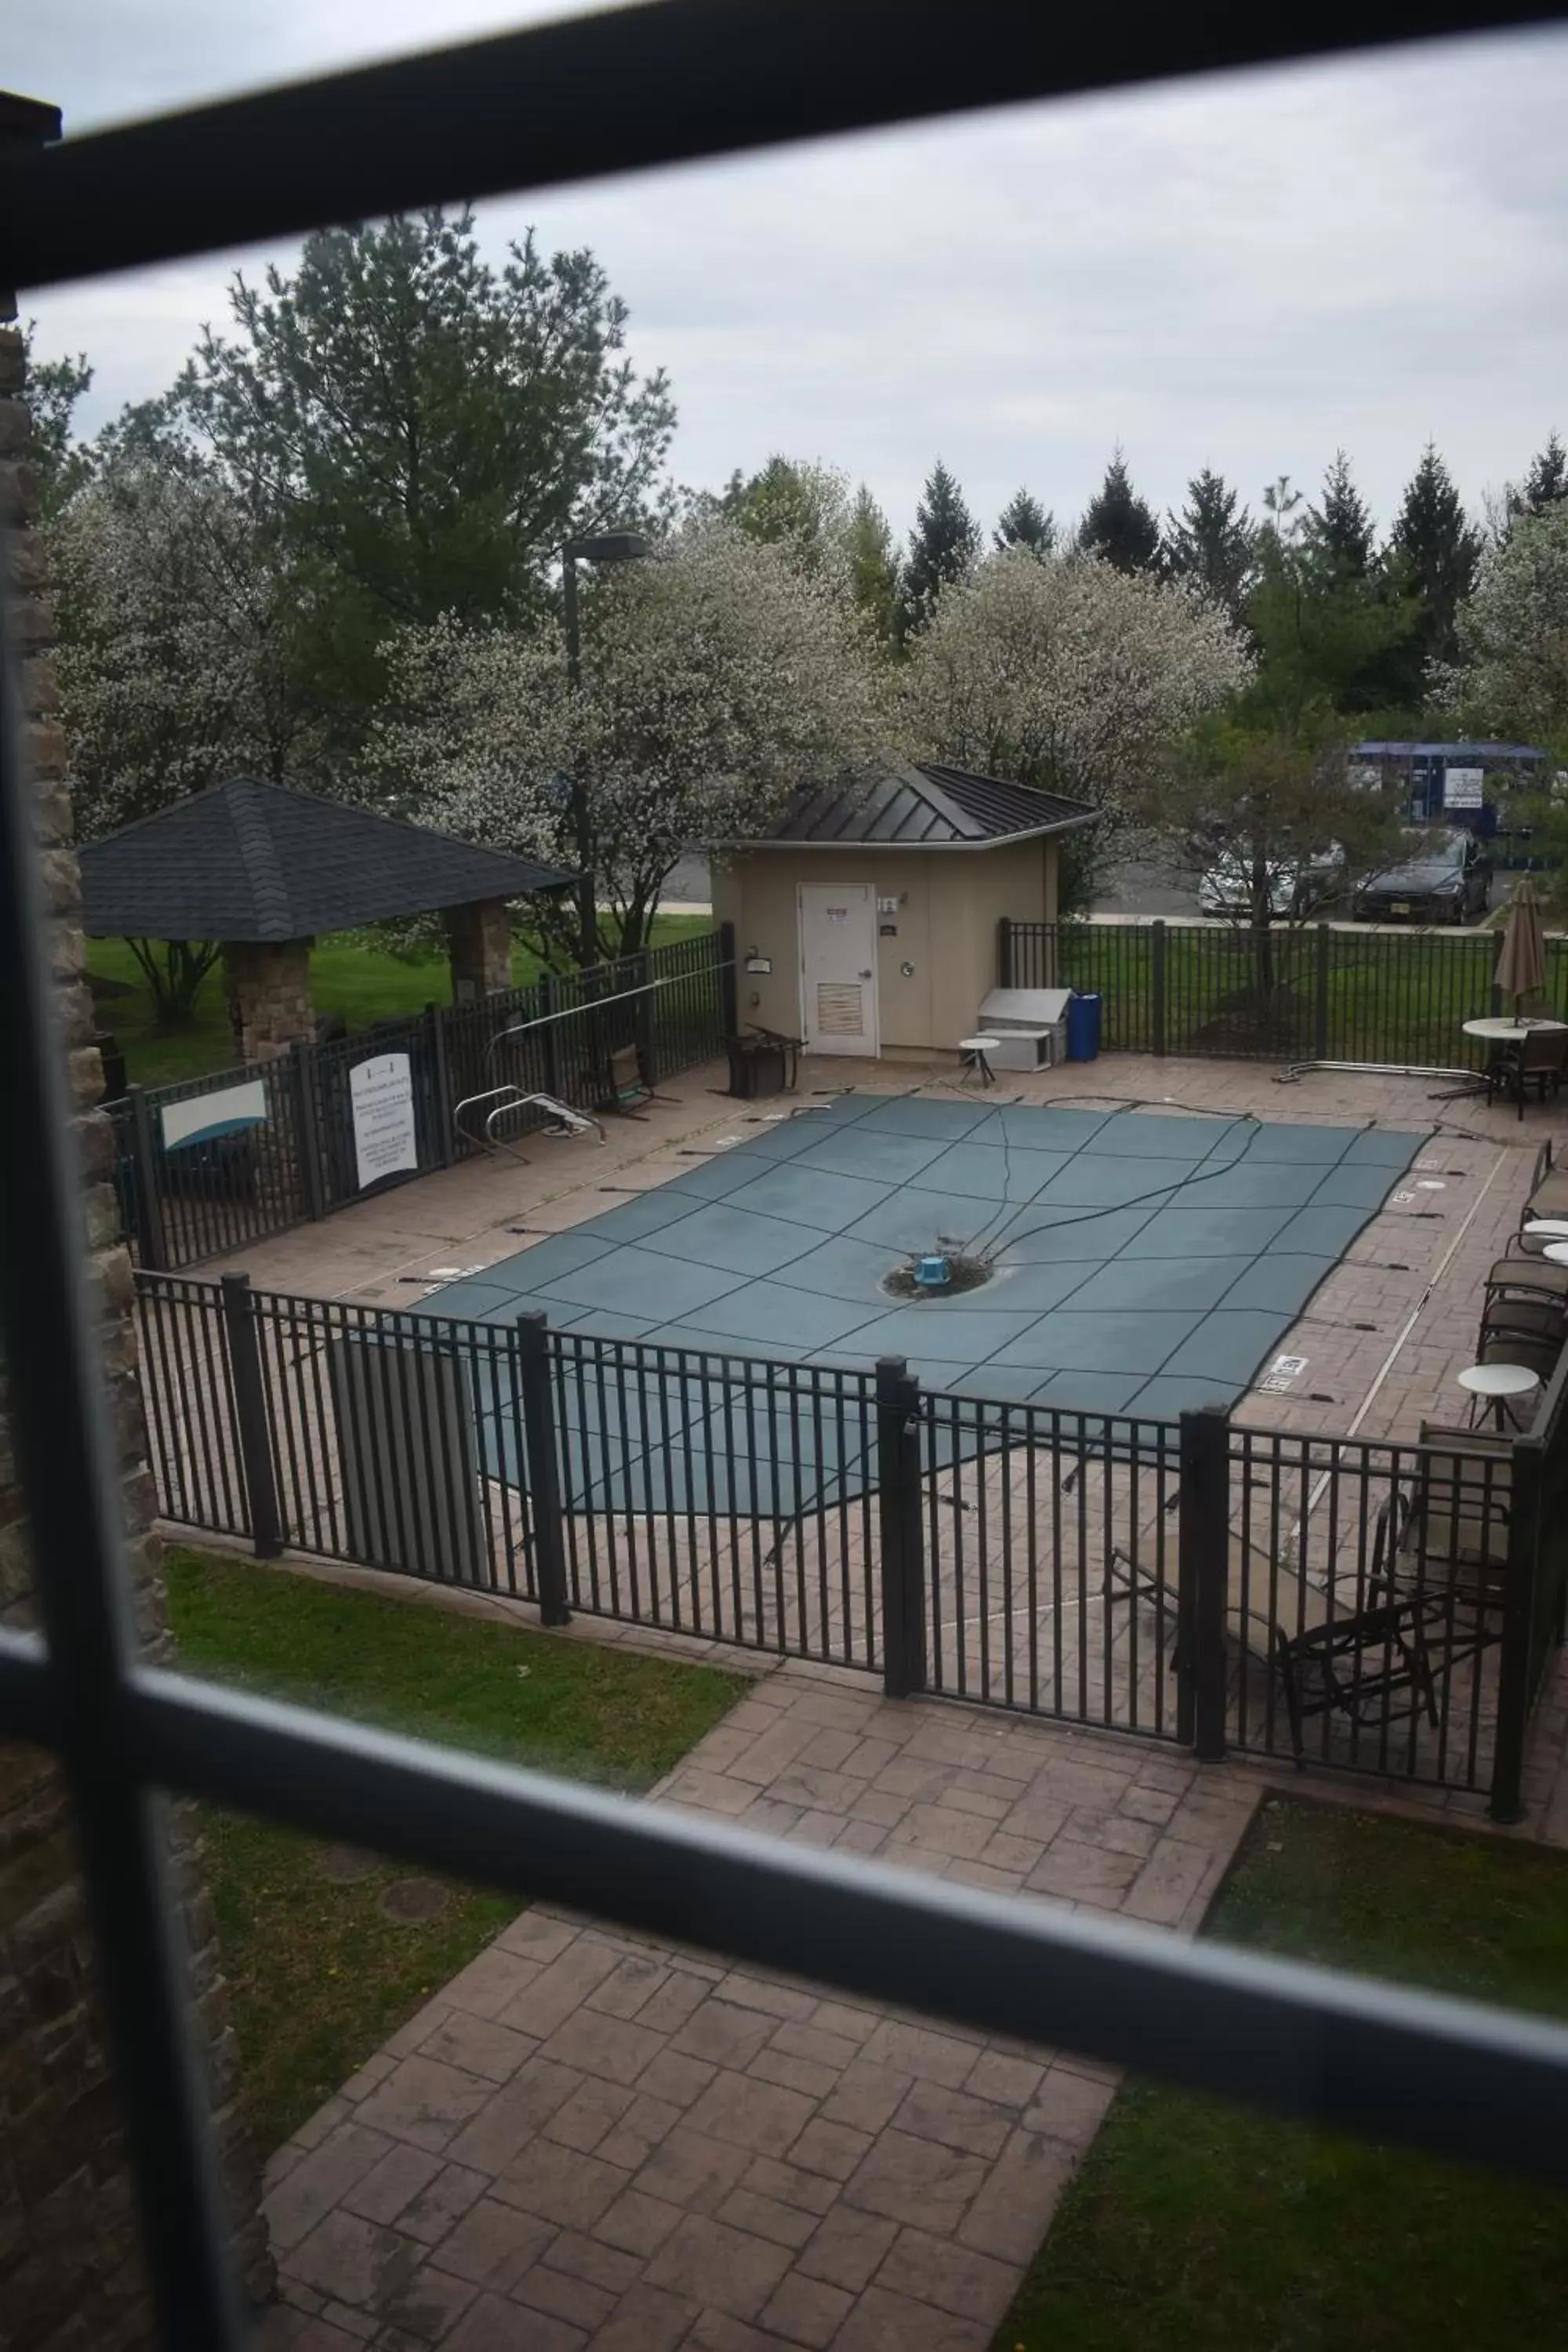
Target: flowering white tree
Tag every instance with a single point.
(1068, 674)
(718, 678)
(180, 632)
(180, 640)
(1513, 631)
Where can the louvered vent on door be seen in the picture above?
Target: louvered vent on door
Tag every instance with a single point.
(838, 1009)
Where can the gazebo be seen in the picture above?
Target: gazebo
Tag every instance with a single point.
(264, 870)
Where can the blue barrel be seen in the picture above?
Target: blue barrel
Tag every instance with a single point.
(1083, 1028)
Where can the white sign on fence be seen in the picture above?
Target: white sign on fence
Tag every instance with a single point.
(199, 1117)
(382, 1093)
(1462, 787)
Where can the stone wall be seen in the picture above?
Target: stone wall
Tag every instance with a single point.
(479, 940)
(268, 984)
(69, 2269)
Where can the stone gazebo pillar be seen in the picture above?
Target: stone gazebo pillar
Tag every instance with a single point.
(479, 943)
(269, 983)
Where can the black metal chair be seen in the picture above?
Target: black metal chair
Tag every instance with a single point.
(1539, 1060)
(1371, 1667)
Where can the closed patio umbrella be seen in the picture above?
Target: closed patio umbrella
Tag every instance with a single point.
(1522, 965)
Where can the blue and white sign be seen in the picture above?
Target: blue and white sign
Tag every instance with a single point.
(382, 1094)
(199, 1117)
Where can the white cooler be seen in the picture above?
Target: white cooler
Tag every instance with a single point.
(1029, 1027)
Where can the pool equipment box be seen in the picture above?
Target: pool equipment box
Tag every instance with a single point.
(1029, 1026)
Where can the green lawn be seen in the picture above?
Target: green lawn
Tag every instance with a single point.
(347, 976)
(1194, 2227)
(318, 1973)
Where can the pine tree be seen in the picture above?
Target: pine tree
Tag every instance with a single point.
(1546, 482)
(1340, 530)
(1439, 552)
(1120, 525)
(943, 545)
(1023, 522)
(1213, 542)
(873, 565)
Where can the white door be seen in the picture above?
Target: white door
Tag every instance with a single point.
(838, 967)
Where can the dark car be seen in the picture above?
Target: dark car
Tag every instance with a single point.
(1447, 879)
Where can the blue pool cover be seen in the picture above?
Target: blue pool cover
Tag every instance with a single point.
(1144, 1262)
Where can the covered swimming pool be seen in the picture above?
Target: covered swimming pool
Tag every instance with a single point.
(1141, 1263)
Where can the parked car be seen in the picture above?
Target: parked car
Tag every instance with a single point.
(1446, 878)
(1296, 885)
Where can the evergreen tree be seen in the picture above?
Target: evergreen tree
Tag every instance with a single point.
(1023, 522)
(1120, 525)
(943, 545)
(1439, 553)
(1213, 542)
(1340, 530)
(873, 563)
(1546, 482)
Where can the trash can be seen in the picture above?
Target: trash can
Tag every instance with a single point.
(1083, 1028)
(756, 1067)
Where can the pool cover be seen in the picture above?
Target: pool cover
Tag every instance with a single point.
(1143, 1262)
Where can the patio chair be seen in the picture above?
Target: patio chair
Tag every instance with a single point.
(1526, 1277)
(1547, 1195)
(1543, 1320)
(1441, 1545)
(1371, 1667)
(1538, 1061)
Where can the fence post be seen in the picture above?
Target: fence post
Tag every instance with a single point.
(1157, 985)
(441, 1082)
(1514, 1662)
(550, 1040)
(1203, 1573)
(307, 1132)
(728, 982)
(900, 1530)
(1004, 951)
(1321, 995)
(647, 1023)
(151, 1244)
(536, 1381)
(250, 1414)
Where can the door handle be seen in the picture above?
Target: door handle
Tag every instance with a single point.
(866, 975)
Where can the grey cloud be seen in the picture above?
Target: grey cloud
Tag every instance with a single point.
(1250, 273)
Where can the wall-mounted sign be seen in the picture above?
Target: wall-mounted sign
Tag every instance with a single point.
(382, 1093)
(759, 964)
(887, 930)
(225, 1112)
(887, 905)
(1462, 787)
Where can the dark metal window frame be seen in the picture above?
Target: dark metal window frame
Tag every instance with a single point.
(624, 91)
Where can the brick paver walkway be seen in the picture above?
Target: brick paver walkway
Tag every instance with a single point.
(587, 2138)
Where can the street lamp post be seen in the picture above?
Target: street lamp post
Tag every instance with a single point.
(612, 547)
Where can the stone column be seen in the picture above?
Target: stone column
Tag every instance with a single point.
(268, 984)
(70, 2253)
(480, 941)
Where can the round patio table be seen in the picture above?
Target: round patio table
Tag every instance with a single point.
(1553, 1228)
(1502, 1031)
(976, 1063)
(1557, 1251)
(1496, 1384)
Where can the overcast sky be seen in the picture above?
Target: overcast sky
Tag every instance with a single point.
(1247, 273)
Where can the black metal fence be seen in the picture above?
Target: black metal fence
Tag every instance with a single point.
(209, 1164)
(1317, 993)
(1361, 1606)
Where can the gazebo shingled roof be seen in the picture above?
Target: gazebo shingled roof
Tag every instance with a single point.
(251, 861)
